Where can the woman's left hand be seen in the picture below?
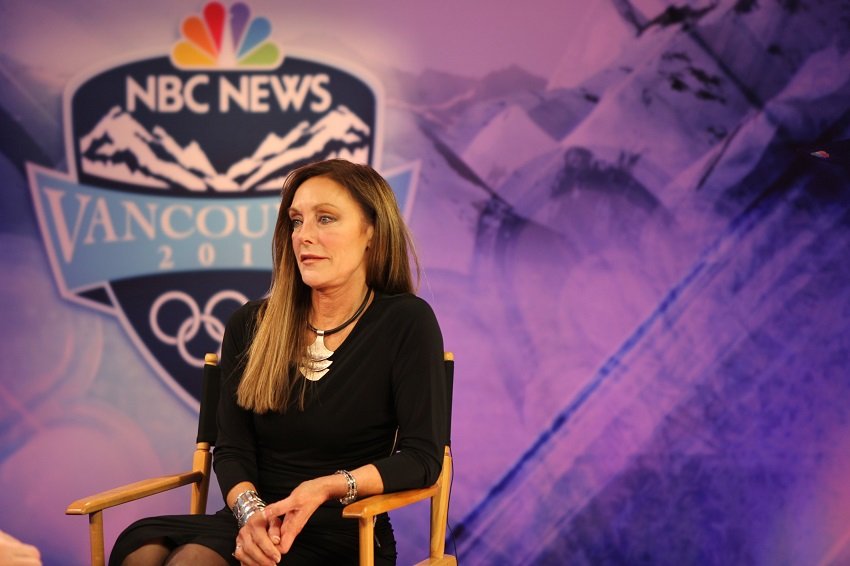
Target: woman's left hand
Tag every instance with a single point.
(296, 510)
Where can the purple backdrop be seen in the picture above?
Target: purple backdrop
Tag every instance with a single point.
(639, 265)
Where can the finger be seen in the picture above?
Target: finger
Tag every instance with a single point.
(266, 544)
(260, 547)
(248, 553)
(240, 555)
(246, 559)
(274, 529)
(258, 543)
(292, 525)
(278, 508)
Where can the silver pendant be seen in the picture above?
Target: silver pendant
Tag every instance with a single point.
(319, 362)
(317, 350)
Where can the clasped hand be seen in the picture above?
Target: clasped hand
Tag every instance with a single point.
(269, 535)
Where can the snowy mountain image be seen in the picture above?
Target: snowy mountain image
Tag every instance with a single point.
(121, 149)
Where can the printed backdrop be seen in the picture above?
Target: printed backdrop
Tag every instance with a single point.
(633, 218)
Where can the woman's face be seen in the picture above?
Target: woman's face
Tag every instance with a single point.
(330, 235)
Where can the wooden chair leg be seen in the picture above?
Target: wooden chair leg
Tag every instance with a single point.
(440, 510)
(201, 461)
(96, 538)
(367, 541)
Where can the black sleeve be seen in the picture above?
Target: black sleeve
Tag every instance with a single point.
(420, 397)
(235, 452)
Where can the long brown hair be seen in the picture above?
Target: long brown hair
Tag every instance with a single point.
(279, 346)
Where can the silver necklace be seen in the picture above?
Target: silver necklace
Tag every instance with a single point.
(319, 362)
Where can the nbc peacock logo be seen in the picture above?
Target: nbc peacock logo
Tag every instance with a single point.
(164, 218)
(221, 38)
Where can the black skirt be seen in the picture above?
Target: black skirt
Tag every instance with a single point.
(327, 538)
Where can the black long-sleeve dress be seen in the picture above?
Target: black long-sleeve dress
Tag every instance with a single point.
(383, 401)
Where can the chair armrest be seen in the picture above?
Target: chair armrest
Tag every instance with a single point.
(131, 492)
(377, 504)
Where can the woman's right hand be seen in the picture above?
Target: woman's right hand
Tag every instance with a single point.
(257, 540)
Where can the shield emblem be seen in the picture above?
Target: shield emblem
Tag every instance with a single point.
(166, 216)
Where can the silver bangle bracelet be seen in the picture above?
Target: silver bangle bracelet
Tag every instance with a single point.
(247, 503)
(351, 494)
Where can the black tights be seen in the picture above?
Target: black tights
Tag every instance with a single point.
(157, 553)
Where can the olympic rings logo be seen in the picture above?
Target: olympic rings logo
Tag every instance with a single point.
(189, 328)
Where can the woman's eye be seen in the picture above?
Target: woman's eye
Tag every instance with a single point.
(296, 222)
(326, 219)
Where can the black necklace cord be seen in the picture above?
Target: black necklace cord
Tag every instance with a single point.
(360, 310)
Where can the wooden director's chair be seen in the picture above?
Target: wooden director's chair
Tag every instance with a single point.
(364, 510)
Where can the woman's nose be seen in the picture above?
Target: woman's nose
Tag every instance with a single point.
(307, 233)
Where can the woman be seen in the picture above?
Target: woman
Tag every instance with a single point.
(333, 388)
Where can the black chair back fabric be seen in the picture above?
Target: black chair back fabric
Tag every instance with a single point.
(207, 428)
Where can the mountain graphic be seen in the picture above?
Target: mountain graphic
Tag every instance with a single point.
(121, 149)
